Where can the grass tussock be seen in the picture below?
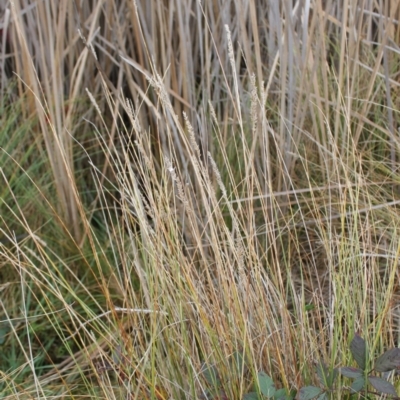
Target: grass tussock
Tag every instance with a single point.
(193, 192)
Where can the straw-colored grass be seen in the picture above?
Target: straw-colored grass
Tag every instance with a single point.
(191, 187)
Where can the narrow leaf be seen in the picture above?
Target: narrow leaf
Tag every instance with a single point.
(309, 392)
(3, 334)
(237, 363)
(358, 348)
(382, 386)
(350, 372)
(388, 361)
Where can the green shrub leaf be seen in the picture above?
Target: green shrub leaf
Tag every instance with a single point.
(322, 372)
(358, 384)
(281, 394)
(266, 384)
(358, 348)
(252, 396)
(388, 361)
(309, 392)
(326, 377)
(382, 386)
(350, 372)
(210, 374)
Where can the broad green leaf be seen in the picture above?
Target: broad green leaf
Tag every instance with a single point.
(326, 377)
(266, 384)
(332, 377)
(350, 372)
(283, 394)
(280, 394)
(309, 392)
(323, 373)
(382, 386)
(252, 396)
(210, 374)
(358, 384)
(358, 348)
(388, 361)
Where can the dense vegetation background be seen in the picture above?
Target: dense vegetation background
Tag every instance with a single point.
(193, 192)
